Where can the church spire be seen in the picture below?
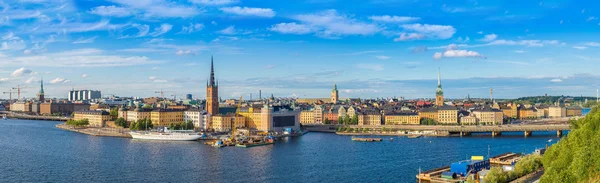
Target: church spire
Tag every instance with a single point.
(439, 78)
(212, 73)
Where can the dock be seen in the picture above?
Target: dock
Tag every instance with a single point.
(366, 139)
(505, 159)
(105, 132)
(434, 175)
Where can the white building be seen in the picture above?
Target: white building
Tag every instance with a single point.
(79, 95)
(199, 118)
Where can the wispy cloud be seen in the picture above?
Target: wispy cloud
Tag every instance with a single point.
(20, 72)
(214, 2)
(247, 11)
(328, 24)
(191, 28)
(111, 11)
(428, 31)
(394, 19)
(382, 57)
(83, 41)
(164, 28)
(60, 81)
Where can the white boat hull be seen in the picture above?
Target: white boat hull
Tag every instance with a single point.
(165, 136)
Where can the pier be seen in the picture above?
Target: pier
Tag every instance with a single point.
(496, 130)
(33, 117)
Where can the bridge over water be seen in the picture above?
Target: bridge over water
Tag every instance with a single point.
(461, 130)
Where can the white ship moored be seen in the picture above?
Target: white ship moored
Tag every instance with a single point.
(173, 135)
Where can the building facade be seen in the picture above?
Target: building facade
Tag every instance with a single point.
(197, 117)
(307, 117)
(81, 95)
(373, 119)
(557, 112)
(164, 117)
(403, 119)
(137, 114)
(95, 118)
(489, 116)
(448, 115)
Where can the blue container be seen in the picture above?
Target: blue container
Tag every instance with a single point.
(466, 167)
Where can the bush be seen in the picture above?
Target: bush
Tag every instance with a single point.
(78, 123)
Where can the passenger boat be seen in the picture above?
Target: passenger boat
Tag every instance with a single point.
(173, 135)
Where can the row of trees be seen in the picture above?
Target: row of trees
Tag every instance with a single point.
(78, 123)
(141, 124)
(189, 125)
(526, 165)
(576, 157)
(347, 120)
(122, 123)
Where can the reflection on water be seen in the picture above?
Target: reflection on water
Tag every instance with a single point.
(35, 151)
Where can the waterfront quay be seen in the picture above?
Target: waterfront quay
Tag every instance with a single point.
(97, 131)
(33, 117)
(439, 130)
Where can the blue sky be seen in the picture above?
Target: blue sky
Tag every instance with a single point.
(370, 48)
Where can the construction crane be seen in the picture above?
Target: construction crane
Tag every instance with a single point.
(18, 88)
(10, 92)
(237, 114)
(162, 93)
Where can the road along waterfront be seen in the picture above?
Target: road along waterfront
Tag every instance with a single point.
(37, 151)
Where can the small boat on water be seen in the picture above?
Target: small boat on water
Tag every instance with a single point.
(366, 139)
(4, 117)
(167, 135)
(414, 136)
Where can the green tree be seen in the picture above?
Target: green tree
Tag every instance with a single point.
(354, 120)
(496, 175)
(114, 113)
(576, 157)
(428, 121)
(340, 120)
(325, 121)
(121, 122)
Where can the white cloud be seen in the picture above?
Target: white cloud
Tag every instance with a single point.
(580, 47)
(2, 80)
(12, 42)
(382, 57)
(480, 32)
(520, 51)
(229, 30)
(375, 67)
(330, 24)
(184, 52)
(164, 28)
(532, 43)
(409, 37)
(291, 28)
(192, 28)
(489, 37)
(452, 52)
(84, 75)
(31, 80)
(593, 44)
(246, 11)
(160, 8)
(59, 80)
(592, 18)
(556, 80)
(466, 39)
(431, 31)
(20, 72)
(111, 11)
(88, 40)
(142, 30)
(213, 23)
(214, 2)
(156, 79)
(78, 58)
(270, 66)
(10, 36)
(394, 19)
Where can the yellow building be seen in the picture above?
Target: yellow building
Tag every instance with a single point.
(557, 112)
(165, 117)
(447, 115)
(528, 113)
(137, 114)
(222, 123)
(403, 119)
(307, 117)
(268, 118)
(430, 113)
(489, 116)
(369, 119)
(468, 120)
(574, 111)
(95, 118)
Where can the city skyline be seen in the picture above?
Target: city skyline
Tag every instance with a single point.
(382, 49)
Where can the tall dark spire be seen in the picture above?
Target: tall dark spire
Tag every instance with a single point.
(212, 73)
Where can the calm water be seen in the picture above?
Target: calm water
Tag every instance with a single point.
(35, 151)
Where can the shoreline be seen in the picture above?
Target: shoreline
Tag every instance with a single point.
(389, 134)
(102, 132)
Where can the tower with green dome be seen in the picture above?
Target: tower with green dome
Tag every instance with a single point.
(334, 94)
(439, 93)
